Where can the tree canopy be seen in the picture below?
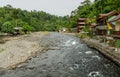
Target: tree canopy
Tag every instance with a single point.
(90, 10)
(42, 21)
(30, 20)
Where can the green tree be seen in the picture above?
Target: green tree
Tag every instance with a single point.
(27, 28)
(7, 27)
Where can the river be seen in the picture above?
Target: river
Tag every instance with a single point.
(65, 56)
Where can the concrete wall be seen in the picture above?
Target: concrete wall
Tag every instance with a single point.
(109, 52)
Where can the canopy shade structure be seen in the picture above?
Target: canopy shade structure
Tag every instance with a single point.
(111, 18)
(115, 19)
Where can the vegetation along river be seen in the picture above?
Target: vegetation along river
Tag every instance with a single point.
(65, 56)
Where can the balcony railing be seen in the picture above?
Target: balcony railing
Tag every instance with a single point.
(116, 33)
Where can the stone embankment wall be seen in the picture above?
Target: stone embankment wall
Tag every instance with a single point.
(108, 51)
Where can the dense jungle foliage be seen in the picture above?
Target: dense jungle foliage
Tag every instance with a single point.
(29, 20)
(41, 21)
(90, 10)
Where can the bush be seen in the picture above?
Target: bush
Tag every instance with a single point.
(27, 28)
(111, 43)
(86, 29)
(118, 43)
(82, 35)
(89, 32)
(7, 27)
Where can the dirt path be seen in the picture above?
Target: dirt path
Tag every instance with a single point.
(19, 49)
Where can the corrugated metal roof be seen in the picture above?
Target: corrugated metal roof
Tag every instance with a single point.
(81, 23)
(111, 18)
(114, 12)
(115, 19)
(82, 19)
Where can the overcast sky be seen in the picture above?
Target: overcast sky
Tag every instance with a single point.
(56, 7)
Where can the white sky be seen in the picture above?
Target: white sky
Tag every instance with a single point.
(56, 7)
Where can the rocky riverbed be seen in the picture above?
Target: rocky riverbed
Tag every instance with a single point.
(19, 49)
(64, 56)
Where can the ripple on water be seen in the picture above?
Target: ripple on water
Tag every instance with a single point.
(74, 43)
(71, 68)
(88, 52)
(84, 60)
(74, 67)
(79, 52)
(70, 42)
(97, 57)
(95, 74)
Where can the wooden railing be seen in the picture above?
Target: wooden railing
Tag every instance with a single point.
(115, 33)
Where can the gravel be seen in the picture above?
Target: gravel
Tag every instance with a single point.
(19, 49)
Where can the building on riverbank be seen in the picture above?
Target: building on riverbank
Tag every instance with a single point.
(81, 23)
(116, 31)
(103, 27)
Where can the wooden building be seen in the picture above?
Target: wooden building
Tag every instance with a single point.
(116, 31)
(102, 27)
(81, 23)
(93, 25)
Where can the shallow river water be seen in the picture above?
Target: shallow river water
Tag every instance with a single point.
(65, 56)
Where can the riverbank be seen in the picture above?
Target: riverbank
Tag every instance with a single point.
(18, 49)
(65, 56)
(110, 52)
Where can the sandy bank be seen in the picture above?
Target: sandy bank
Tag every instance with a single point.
(19, 49)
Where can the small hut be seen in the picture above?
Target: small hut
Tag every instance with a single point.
(81, 23)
